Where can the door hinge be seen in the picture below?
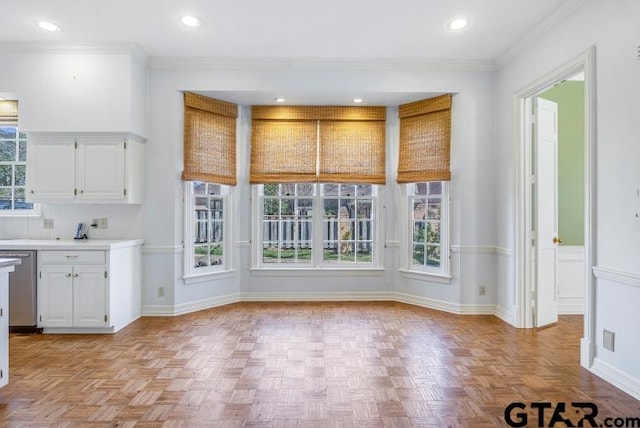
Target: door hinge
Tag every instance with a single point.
(75, 191)
(125, 192)
(40, 318)
(105, 318)
(75, 144)
(1, 313)
(125, 144)
(105, 273)
(1, 373)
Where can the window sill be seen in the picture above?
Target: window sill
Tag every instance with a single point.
(317, 271)
(209, 276)
(425, 276)
(20, 214)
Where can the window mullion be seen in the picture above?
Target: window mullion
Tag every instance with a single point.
(317, 225)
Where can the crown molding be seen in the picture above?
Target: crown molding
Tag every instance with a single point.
(317, 64)
(72, 48)
(542, 28)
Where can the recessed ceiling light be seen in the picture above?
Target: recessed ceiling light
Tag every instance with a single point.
(457, 24)
(190, 21)
(279, 100)
(357, 100)
(48, 26)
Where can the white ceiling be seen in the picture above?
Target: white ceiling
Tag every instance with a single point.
(295, 31)
(301, 29)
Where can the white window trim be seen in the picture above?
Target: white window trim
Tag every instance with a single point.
(192, 275)
(443, 273)
(316, 265)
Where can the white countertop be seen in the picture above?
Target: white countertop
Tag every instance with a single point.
(67, 244)
(9, 262)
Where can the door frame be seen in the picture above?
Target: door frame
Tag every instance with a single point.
(523, 248)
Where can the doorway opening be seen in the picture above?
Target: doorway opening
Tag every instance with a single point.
(537, 238)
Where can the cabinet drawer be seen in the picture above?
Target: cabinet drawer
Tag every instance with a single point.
(72, 257)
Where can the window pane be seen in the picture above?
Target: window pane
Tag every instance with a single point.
(7, 151)
(305, 189)
(330, 189)
(270, 230)
(201, 256)
(365, 230)
(420, 189)
(6, 172)
(7, 132)
(270, 254)
(433, 255)
(214, 189)
(418, 255)
(331, 208)
(305, 207)
(287, 207)
(365, 209)
(346, 209)
(287, 189)
(365, 189)
(364, 253)
(434, 209)
(419, 232)
(200, 232)
(418, 209)
(19, 201)
(435, 188)
(270, 189)
(21, 172)
(215, 255)
(271, 207)
(5, 199)
(199, 187)
(347, 189)
(433, 232)
(22, 155)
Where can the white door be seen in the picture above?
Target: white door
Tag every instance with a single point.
(546, 212)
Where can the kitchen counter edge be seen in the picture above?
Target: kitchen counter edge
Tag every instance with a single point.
(68, 244)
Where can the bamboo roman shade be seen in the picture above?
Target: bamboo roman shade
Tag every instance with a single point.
(9, 112)
(425, 140)
(209, 140)
(318, 143)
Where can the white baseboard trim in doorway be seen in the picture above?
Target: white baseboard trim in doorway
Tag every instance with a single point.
(616, 377)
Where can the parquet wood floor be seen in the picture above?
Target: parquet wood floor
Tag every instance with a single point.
(301, 365)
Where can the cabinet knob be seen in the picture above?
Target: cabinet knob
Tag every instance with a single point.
(68, 275)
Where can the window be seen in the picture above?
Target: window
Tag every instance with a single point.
(428, 227)
(206, 239)
(13, 167)
(317, 225)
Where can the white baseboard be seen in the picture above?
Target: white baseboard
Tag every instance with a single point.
(335, 296)
(571, 305)
(506, 315)
(616, 377)
(185, 308)
(381, 296)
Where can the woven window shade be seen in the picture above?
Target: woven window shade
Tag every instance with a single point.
(9, 112)
(425, 140)
(209, 140)
(283, 151)
(284, 144)
(352, 152)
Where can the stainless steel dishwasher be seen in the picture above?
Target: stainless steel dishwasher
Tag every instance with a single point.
(22, 291)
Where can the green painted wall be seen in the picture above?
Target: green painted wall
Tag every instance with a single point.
(570, 98)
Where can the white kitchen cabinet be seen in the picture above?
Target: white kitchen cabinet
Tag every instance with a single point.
(72, 296)
(89, 168)
(81, 291)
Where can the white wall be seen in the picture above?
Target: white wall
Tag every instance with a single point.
(612, 27)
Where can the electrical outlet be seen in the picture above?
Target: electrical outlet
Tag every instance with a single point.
(609, 340)
(160, 291)
(47, 223)
(102, 223)
(482, 290)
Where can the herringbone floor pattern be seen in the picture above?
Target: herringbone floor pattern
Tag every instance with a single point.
(300, 365)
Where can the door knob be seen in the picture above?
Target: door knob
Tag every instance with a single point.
(557, 240)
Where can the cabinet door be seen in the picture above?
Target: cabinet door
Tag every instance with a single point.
(100, 170)
(89, 296)
(55, 296)
(51, 172)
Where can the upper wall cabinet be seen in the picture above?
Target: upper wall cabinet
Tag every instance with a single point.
(85, 168)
